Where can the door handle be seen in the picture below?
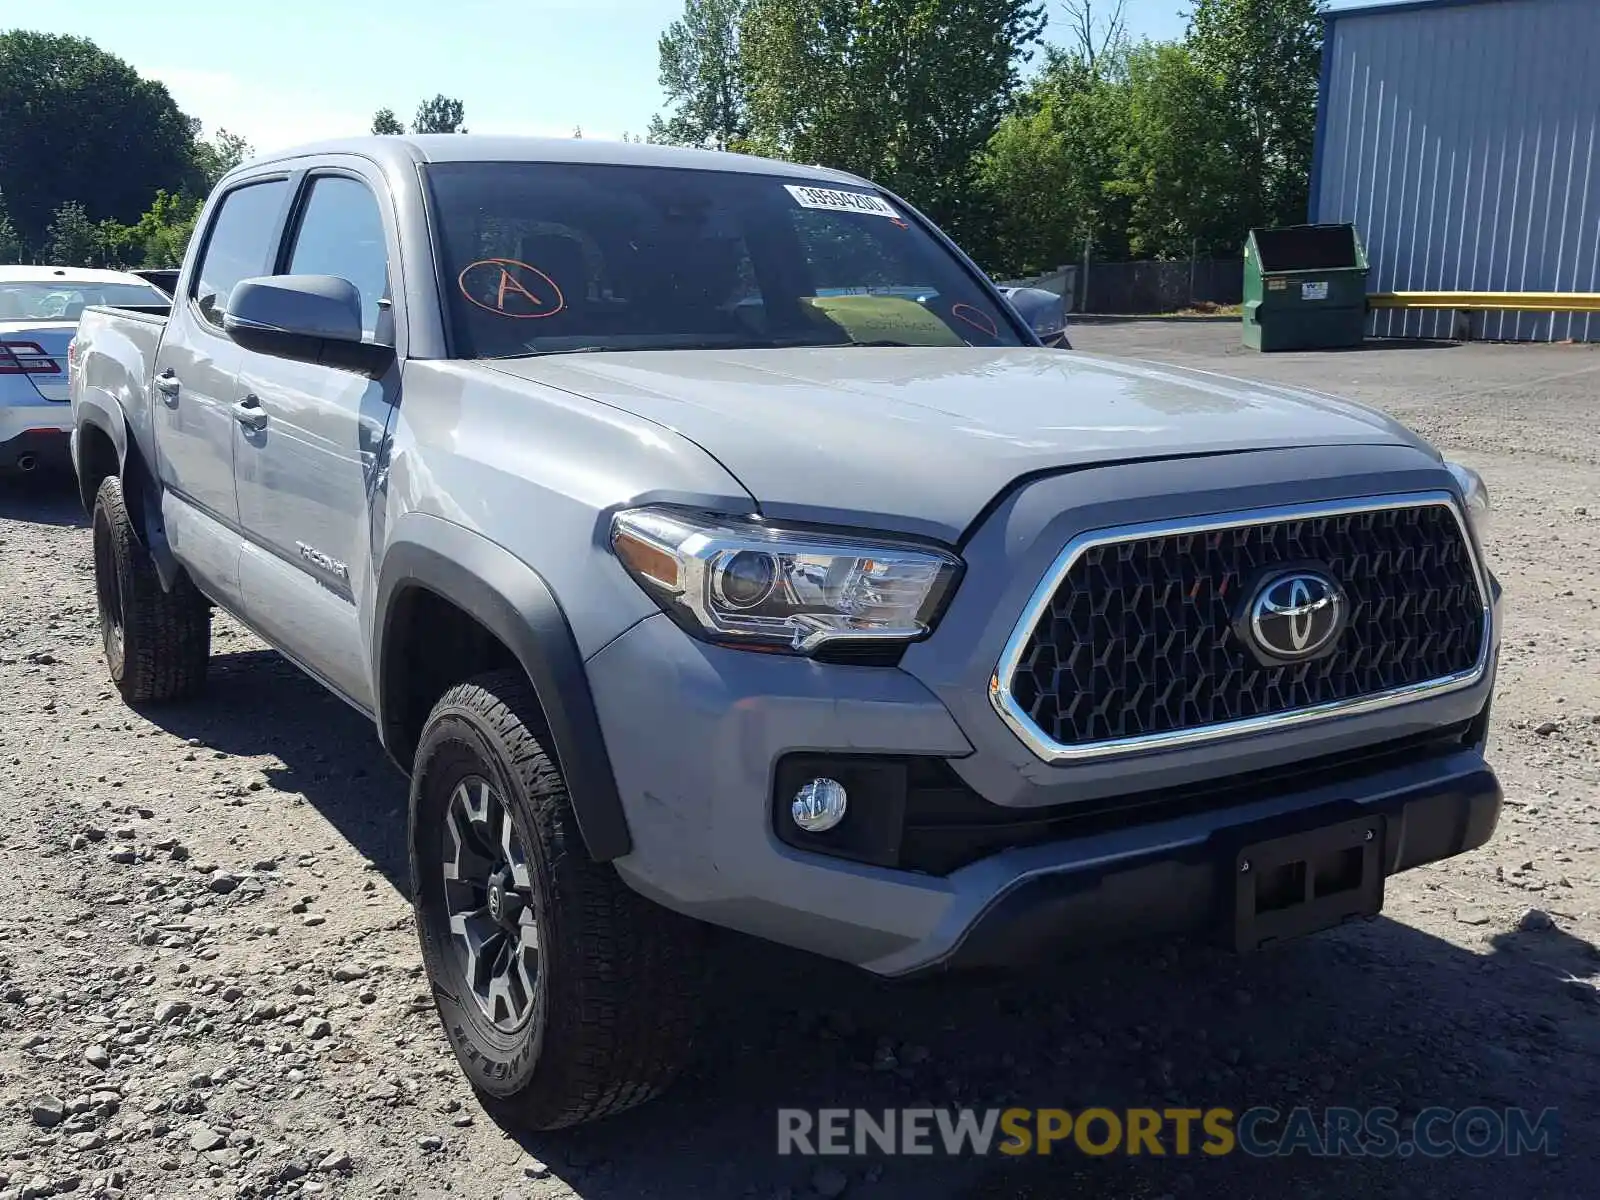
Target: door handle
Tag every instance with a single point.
(249, 413)
(167, 384)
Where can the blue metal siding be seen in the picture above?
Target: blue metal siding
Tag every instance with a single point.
(1464, 142)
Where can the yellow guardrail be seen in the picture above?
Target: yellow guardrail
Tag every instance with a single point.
(1486, 301)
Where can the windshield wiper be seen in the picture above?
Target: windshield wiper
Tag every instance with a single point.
(772, 344)
(543, 353)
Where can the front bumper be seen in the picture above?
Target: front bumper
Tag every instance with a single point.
(1189, 888)
(697, 734)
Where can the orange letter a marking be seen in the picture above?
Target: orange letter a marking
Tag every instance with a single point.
(509, 281)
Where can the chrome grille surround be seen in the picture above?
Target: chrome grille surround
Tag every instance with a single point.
(1039, 605)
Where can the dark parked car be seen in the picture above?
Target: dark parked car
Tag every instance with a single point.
(165, 278)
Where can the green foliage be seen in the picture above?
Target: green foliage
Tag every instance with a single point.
(114, 245)
(158, 239)
(442, 114)
(1172, 169)
(80, 125)
(71, 239)
(162, 235)
(907, 92)
(1161, 149)
(703, 77)
(220, 155)
(1263, 58)
(385, 122)
(11, 248)
(1051, 168)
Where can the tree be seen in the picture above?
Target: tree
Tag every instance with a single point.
(220, 155)
(162, 235)
(703, 77)
(1093, 36)
(1051, 170)
(78, 124)
(1176, 168)
(1158, 149)
(1263, 58)
(71, 239)
(439, 115)
(907, 92)
(115, 246)
(11, 248)
(384, 121)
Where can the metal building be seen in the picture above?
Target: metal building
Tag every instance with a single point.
(1462, 137)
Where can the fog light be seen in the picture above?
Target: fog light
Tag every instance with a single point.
(819, 805)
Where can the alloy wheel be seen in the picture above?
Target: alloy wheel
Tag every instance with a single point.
(488, 892)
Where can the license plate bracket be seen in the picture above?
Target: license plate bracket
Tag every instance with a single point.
(1287, 887)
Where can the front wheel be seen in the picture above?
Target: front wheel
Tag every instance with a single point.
(565, 995)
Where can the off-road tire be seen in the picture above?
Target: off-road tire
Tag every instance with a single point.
(616, 1000)
(157, 642)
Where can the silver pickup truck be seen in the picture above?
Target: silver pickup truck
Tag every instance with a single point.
(714, 545)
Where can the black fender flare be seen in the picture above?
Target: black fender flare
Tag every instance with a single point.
(513, 602)
(141, 492)
(102, 412)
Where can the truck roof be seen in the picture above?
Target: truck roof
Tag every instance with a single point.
(465, 147)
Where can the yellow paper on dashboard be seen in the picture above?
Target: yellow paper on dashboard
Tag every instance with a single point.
(884, 318)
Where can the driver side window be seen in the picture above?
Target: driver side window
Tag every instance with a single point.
(341, 233)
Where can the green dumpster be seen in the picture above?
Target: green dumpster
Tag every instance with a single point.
(1305, 288)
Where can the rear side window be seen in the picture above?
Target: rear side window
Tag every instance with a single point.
(341, 233)
(240, 246)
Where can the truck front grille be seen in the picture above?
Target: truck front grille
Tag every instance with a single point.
(1136, 640)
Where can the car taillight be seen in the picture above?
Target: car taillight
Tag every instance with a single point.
(72, 356)
(26, 358)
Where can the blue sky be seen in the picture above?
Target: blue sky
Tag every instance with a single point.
(287, 71)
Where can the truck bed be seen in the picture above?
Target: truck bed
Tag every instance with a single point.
(116, 355)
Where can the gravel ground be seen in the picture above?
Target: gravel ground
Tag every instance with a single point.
(210, 984)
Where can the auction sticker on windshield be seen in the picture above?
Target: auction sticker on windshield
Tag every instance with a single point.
(835, 200)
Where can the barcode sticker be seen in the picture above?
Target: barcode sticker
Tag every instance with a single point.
(837, 200)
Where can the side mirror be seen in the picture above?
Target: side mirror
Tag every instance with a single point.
(309, 318)
(1045, 312)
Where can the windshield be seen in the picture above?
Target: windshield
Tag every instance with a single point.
(66, 300)
(562, 257)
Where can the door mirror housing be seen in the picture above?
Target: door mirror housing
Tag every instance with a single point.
(309, 318)
(1045, 312)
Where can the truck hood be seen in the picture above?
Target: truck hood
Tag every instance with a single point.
(920, 440)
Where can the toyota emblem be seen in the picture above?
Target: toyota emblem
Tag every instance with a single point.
(1296, 615)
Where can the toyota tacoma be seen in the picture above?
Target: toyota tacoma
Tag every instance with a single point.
(712, 544)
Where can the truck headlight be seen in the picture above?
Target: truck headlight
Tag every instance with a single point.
(1475, 494)
(741, 581)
